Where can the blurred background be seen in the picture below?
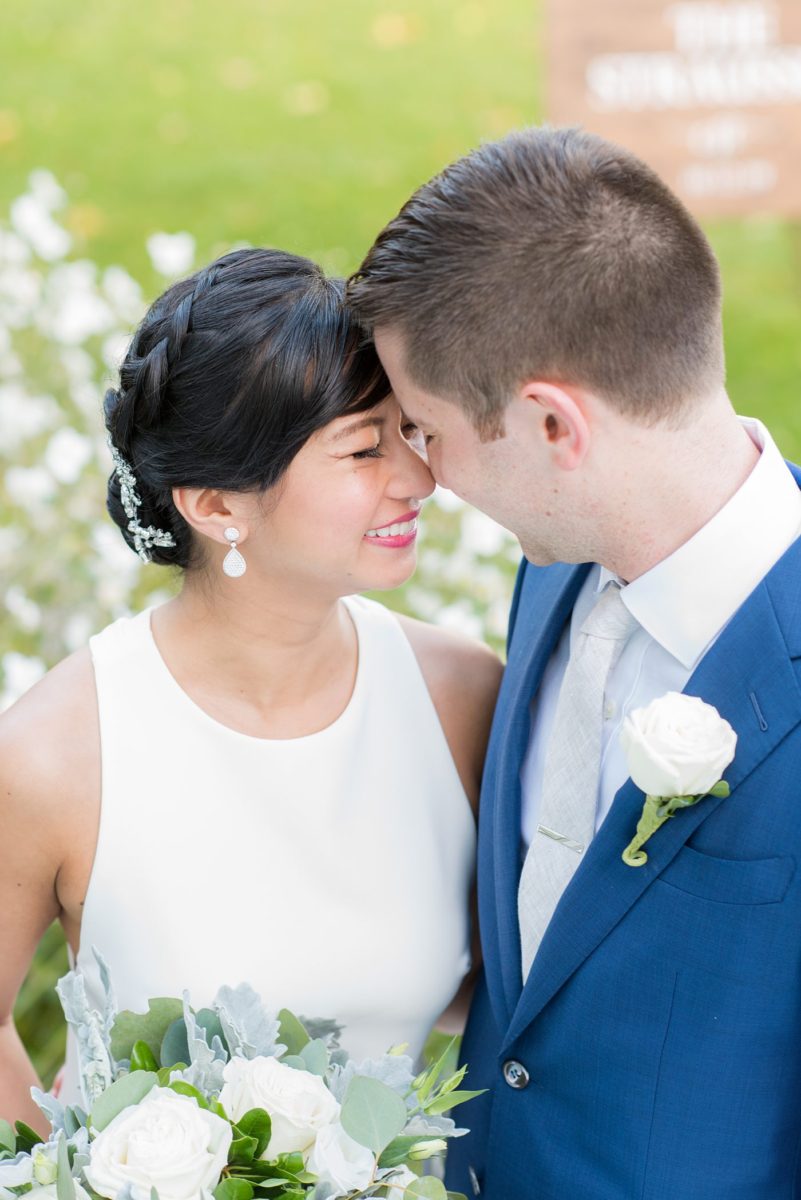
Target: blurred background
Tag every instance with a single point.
(140, 141)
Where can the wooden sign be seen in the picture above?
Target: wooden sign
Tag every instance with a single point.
(708, 92)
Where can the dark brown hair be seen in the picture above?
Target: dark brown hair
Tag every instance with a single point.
(554, 254)
(229, 374)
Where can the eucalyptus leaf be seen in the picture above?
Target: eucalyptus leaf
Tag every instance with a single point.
(127, 1090)
(372, 1113)
(65, 1186)
(175, 1044)
(150, 1027)
(233, 1189)
(426, 1188)
(294, 1061)
(456, 1196)
(209, 1020)
(292, 1032)
(315, 1057)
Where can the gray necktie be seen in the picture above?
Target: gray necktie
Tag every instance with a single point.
(572, 769)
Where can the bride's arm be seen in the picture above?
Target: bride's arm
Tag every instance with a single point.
(45, 782)
(463, 678)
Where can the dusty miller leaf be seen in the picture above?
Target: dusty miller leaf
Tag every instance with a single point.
(206, 1062)
(91, 1034)
(250, 1029)
(394, 1070)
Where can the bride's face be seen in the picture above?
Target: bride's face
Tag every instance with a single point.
(345, 513)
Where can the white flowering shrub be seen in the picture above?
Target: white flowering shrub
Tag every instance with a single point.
(65, 571)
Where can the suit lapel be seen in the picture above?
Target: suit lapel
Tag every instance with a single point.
(546, 601)
(748, 677)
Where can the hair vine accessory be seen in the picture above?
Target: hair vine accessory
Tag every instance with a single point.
(234, 564)
(144, 537)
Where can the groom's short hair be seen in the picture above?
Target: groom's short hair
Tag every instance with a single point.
(549, 254)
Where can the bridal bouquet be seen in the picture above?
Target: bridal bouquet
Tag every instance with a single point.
(233, 1102)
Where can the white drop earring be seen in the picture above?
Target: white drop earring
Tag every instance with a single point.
(234, 564)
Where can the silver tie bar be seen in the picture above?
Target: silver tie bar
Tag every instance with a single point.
(561, 837)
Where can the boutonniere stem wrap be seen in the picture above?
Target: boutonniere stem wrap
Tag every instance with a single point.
(677, 750)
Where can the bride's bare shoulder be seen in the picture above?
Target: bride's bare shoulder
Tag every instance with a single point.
(50, 740)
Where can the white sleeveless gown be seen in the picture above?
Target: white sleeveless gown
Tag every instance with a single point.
(332, 871)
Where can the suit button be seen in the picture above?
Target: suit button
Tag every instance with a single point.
(515, 1074)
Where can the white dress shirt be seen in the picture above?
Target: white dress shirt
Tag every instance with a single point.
(681, 605)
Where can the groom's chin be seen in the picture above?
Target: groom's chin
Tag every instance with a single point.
(538, 556)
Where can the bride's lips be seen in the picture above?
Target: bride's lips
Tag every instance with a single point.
(405, 532)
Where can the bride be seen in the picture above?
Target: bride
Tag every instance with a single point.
(267, 778)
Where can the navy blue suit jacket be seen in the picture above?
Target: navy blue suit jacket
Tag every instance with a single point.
(661, 1022)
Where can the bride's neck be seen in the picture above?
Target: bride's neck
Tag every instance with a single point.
(269, 649)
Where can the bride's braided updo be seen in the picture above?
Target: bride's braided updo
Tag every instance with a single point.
(228, 375)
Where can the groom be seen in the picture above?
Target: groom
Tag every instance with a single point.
(549, 316)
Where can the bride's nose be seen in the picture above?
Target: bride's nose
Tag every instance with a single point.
(412, 476)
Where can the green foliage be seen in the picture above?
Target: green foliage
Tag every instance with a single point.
(175, 1044)
(128, 1089)
(372, 1114)
(27, 1138)
(143, 1058)
(256, 1124)
(233, 1189)
(150, 1027)
(291, 1032)
(65, 1187)
(426, 1188)
(8, 1140)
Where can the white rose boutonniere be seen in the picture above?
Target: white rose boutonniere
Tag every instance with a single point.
(677, 749)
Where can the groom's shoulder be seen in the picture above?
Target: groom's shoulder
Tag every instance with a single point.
(783, 584)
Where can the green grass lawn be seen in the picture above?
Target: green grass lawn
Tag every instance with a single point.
(305, 124)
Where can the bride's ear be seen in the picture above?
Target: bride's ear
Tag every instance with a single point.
(210, 512)
(559, 416)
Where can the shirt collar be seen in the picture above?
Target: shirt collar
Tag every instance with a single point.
(686, 599)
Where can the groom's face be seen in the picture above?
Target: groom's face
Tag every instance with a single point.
(492, 475)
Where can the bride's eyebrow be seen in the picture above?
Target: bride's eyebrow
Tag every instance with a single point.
(356, 425)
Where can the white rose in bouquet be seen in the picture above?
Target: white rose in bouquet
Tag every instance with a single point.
(339, 1161)
(677, 746)
(299, 1103)
(166, 1142)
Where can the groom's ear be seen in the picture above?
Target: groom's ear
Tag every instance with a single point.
(558, 416)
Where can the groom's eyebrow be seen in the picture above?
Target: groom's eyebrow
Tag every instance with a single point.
(356, 425)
